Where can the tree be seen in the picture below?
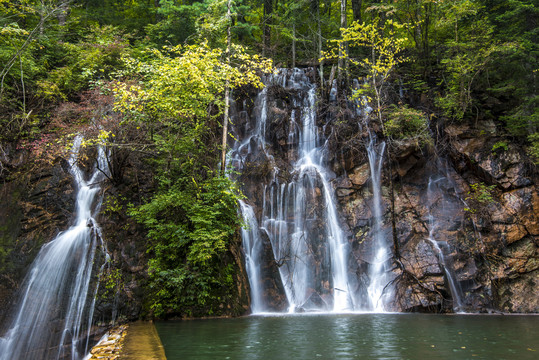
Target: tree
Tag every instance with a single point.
(227, 91)
(384, 45)
(357, 11)
(468, 51)
(419, 18)
(343, 46)
(192, 217)
(45, 10)
(512, 75)
(267, 23)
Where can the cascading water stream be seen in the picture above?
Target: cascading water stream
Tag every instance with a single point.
(299, 215)
(439, 246)
(377, 290)
(379, 293)
(55, 309)
(252, 248)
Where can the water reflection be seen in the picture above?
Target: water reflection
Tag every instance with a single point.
(365, 336)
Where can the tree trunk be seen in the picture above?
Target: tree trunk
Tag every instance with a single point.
(356, 10)
(156, 5)
(62, 14)
(293, 45)
(268, 13)
(227, 91)
(342, 47)
(41, 21)
(320, 48)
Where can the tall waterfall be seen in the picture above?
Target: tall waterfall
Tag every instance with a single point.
(441, 247)
(298, 210)
(53, 317)
(378, 292)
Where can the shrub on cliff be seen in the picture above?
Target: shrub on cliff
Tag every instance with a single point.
(406, 123)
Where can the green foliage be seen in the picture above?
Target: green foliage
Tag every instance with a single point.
(469, 48)
(479, 197)
(130, 15)
(48, 70)
(113, 204)
(190, 226)
(178, 23)
(534, 149)
(112, 281)
(406, 123)
(499, 145)
(383, 44)
(192, 217)
(97, 57)
(194, 76)
(524, 118)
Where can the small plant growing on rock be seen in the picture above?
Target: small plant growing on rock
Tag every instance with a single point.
(500, 145)
(534, 149)
(479, 197)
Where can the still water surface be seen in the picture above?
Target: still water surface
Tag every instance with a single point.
(357, 336)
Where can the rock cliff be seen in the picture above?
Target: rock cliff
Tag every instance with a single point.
(461, 198)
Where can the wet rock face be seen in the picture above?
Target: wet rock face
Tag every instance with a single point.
(507, 227)
(34, 207)
(421, 212)
(490, 248)
(274, 293)
(508, 167)
(38, 203)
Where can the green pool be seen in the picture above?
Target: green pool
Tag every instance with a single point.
(354, 336)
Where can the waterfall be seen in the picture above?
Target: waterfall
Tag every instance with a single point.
(252, 248)
(379, 270)
(55, 312)
(441, 247)
(298, 210)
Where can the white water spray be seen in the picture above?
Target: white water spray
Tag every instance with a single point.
(55, 310)
(252, 247)
(378, 273)
(299, 215)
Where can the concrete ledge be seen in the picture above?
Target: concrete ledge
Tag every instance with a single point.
(142, 343)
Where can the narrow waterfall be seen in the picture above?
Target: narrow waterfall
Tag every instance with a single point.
(441, 247)
(377, 291)
(55, 312)
(298, 211)
(252, 248)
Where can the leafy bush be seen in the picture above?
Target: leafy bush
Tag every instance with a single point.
(406, 123)
(189, 228)
(97, 57)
